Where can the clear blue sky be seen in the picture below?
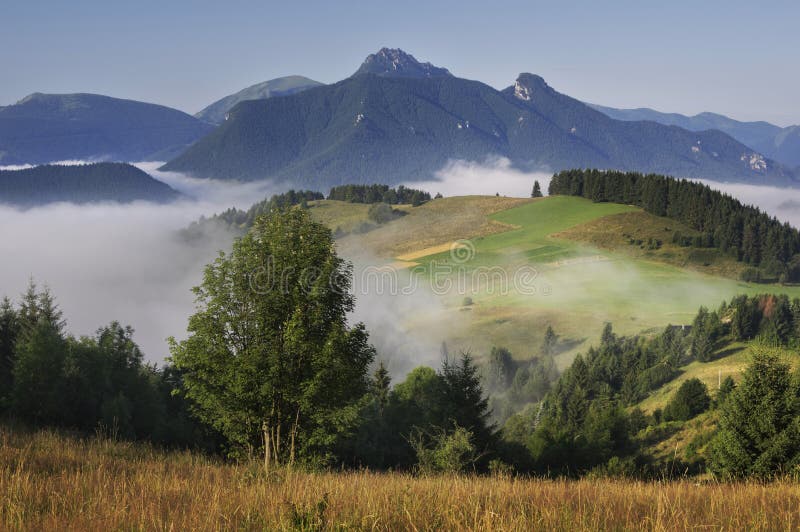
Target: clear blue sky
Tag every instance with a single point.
(733, 57)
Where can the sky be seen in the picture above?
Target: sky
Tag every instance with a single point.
(732, 57)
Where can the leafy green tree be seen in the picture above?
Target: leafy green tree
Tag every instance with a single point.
(691, 399)
(537, 190)
(271, 362)
(445, 451)
(759, 428)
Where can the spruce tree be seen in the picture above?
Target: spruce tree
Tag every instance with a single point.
(759, 428)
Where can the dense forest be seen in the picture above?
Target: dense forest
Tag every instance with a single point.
(772, 248)
(87, 183)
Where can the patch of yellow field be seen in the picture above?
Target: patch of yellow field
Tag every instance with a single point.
(433, 250)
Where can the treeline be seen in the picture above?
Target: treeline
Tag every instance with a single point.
(89, 384)
(379, 194)
(240, 220)
(586, 424)
(742, 231)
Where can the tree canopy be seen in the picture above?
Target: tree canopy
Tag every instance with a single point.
(270, 361)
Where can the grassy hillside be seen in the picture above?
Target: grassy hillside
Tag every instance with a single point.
(52, 482)
(588, 271)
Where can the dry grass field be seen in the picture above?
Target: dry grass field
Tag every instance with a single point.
(53, 482)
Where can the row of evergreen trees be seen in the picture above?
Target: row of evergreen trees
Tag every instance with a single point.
(740, 230)
(49, 378)
(379, 194)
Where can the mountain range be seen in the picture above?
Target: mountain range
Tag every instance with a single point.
(43, 128)
(394, 120)
(82, 183)
(217, 111)
(397, 119)
(779, 143)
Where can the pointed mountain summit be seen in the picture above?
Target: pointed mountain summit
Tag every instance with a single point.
(394, 62)
(408, 120)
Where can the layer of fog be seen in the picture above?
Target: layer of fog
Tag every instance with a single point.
(127, 263)
(124, 262)
(495, 176)
(782, 203)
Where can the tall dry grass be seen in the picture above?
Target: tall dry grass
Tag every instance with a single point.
(53, 482)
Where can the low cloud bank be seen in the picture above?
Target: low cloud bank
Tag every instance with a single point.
(124, 262)
(494, 176)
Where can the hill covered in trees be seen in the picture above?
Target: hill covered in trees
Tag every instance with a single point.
(407, 123)
(117, 182)
(44, 128)
(740, 230)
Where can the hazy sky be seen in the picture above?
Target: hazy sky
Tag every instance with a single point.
(734, 57)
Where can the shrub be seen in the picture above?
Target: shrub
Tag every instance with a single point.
(691, 399)
(444, 452)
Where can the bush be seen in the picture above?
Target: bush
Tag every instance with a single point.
(691, 399)
(381, 213)
(445, 452)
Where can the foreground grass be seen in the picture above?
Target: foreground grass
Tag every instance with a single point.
(50, 482)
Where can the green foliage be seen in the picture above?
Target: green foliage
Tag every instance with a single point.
(759, 428)
(87, 384)
(382, 213)
(379, 194)
(537, 190)
(726, 387)
(9, 328)
(742, 231)
(271, 361)
(81, 184)
(500, 370)
(37, 393)
(445, 451)
(240, 220)
(550, 343)
(706, 330)
(691, 399)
